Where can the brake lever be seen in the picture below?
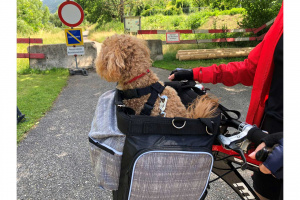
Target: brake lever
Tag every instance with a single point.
(237, 149)
(231, 142)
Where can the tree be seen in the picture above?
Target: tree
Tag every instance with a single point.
(31, 15)
(224, 4)
(259, 12)
(46, 15)
(54, 19)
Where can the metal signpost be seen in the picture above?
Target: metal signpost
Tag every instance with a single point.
(71, 14)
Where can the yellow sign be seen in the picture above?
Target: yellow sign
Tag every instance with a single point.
(74, 36)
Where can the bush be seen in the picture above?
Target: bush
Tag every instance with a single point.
(23, 27)
(195, 20)
(235, 11)
(184, 4)
(224, 4)
(259, 12)
(115, 25)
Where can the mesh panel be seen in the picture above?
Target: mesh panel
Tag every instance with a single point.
(170, 175)
(106, 168)
(104, 130)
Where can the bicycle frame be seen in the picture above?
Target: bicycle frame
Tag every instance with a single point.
(223, 164)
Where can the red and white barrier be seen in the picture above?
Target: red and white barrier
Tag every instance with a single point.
(196, 31)
(264, 26)
(239, 39)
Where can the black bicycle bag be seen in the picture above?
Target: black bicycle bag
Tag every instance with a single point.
(164, 158)
(145, 157)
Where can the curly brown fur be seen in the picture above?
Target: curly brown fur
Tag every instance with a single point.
(204, 106)
(124, 57)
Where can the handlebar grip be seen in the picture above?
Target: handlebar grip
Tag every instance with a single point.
(233, 123)
(262, 154)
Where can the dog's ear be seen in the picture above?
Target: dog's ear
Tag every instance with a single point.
(109, 65)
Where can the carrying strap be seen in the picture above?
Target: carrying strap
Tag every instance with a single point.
(225, 112)
(132, 125)
(154, 90)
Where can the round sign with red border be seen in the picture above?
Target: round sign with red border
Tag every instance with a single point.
(70, 13)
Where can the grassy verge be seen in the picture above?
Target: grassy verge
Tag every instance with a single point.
(36, 94)
(170, 63)
(36, 89)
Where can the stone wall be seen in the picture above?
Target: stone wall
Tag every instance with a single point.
(56, 56)
(155, 47)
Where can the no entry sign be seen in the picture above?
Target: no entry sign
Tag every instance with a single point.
(70, 13)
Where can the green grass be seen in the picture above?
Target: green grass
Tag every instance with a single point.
(36, 93)
(36, 89)
(170, 63)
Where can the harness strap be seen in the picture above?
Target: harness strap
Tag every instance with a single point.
(135, 93)
(156, 89)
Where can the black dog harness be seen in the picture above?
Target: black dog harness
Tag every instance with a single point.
(155, 89)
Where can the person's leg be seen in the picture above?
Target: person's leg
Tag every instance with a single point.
(266, 185)
(260, 197)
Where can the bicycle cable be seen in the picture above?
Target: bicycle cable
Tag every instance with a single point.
(223, 175)
(226, 157)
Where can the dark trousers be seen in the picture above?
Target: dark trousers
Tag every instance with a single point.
(266, 184)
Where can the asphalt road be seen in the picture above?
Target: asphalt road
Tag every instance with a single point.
(53, 161)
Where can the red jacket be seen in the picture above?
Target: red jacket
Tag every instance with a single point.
(256, 70)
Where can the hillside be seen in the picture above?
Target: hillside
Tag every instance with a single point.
(52, 4)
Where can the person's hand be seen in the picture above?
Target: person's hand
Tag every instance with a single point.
(274, 162)
(262, 167)
(181, 74)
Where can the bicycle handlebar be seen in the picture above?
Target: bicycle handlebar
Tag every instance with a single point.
(234, 142)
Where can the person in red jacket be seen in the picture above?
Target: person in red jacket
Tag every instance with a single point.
(263, 69)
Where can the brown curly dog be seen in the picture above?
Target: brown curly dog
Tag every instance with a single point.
(126, 59)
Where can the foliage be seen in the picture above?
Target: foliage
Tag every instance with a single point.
(101, 10)
(184, 4)
(160, 21)
(36, 93)
(32, 16)
(114, 25)
(259, 12)
(54, 19)
(200, 3)
(195, 20)
(224, 4)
